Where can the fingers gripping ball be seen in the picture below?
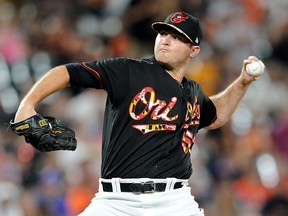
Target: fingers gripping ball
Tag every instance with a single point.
(255, 68)
(45, 133)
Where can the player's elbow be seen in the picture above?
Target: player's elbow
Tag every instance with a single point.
(219, 122)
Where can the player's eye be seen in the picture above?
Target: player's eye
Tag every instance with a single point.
(176, 37)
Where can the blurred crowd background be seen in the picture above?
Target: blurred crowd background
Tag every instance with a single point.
(239, 170)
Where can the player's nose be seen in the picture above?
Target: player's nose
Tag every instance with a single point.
(166, 39)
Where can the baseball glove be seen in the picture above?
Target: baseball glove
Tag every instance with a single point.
(45, 134)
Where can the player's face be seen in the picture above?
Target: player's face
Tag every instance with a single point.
(173, 49)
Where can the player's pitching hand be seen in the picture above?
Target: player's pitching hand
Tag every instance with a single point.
(252, 68)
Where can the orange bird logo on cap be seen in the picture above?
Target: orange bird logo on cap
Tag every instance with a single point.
(178, 18)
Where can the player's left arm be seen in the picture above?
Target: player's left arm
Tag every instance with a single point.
(227, 101)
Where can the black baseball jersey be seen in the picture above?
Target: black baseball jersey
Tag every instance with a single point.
(150, 119)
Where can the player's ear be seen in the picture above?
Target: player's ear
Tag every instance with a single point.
(194, 51)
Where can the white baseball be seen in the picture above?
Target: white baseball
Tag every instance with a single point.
(255, 68)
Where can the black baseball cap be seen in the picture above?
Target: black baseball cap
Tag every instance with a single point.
(183, 23)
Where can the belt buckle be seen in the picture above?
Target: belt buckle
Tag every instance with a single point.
(143, 187)
(149, 187)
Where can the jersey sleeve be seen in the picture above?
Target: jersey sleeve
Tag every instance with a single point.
(111, 75)
(208, 112)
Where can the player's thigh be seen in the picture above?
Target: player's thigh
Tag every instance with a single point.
(113, 204)
(176, 202)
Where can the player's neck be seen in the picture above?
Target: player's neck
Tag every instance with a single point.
(178, 76)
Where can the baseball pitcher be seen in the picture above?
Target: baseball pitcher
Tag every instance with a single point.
(153, 113)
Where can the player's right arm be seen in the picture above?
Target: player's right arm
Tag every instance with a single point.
(53, 81)
(110, 75)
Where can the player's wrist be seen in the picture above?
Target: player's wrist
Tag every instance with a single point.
(24, 112)
(245, 80)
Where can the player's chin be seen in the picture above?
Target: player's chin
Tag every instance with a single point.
(163, 60)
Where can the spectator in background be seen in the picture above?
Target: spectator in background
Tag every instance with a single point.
(276, 206)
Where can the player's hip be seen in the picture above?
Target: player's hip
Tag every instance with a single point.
(145, 197)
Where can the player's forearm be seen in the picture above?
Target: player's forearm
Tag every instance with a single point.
(55, 80)
(227, 101)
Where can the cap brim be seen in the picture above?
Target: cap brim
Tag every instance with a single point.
(159, 26)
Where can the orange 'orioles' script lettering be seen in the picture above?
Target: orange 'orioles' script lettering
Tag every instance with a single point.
(146, 103)
(192, 118)
(158, 109)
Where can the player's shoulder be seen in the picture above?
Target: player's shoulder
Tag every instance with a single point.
(128, 60)
(143, 64)
(143, 61)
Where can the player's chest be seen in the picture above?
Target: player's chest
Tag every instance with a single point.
(165, 102)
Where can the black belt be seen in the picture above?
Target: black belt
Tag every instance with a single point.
(138, 188)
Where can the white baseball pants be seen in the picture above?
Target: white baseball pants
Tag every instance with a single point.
(171, 202)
